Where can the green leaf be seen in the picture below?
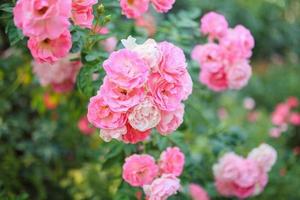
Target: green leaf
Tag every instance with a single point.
(6, 7)
(85, 81)
(14, 34)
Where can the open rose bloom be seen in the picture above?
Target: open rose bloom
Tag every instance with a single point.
(244, 177)
(144, 88)
(224, 60)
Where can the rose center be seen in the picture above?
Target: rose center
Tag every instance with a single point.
(130, 2)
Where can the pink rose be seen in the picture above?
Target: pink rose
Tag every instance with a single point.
(239, 43)
(293, 102)
(172, 161)
(295, 119)
(83, 3)
(281, 114)
(139, 170)
(84, 126)
(109, 44)
(217, 81)
(50, 50)
(40, 18)
(134, 8)
(162, 188)
(173, 63)
(275, 132)
(134, 136)
(210, 56)
(197, 192)
(238, 75)
(108, 134)
(144, 116)
(119, 99)
(147, 22)
(162, 6)
(214, 25)
(170, 121)
(83, 17)
(249, 103)
(265, 156)
(101, 116)
(126, 69)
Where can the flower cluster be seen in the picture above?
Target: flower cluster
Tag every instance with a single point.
(159, 181)
(284, 115)
(244, 177)
(46, 23)
(61, 75)
(224, 60)
(143, 88)
(136, 8)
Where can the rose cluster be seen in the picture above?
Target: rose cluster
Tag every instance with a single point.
(284, 115)
(136, 8)
(143, 88)
(159, 181)
(61, 75)
(224, 60)
(46, 23)
(244, 177)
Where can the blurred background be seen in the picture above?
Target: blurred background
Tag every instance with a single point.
(46, 154)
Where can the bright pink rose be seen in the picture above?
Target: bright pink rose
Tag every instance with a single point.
(134, 8)
(108, 134)
(139, 170)
(41, 18)
(166, 95)
(145, 115)
(83, 3)
(172, 161)
(162, 6)
(147, 22)
(265, 156)
(83, 17)
(162, 188)
(197, 192)
(239, 43)
(214, 25)
(101, 116)
(50, 50)
(134, 136)
(293, 102)
(281, 114)
(84, 126)
(217, 81)
(209, 56)
(238, 75)
(119, 99)
(170, 121)
(173, 63)
(61, 75)
(126, 69)
(295, 119)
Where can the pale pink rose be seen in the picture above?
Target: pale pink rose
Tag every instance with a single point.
(134, 136)
(83, 3)
(173, 63)
(134, 8)
(216, 81)
(275, 132)
(139, 170)
(144, 116)
(162, 188)
(166, 95)
(50, 50)
(101, 116)
(295, 118)
(265, 155)
(108, 134)
(84, 126)
(149, 51)
(197, 192)
(249, 103)
(147, 22)
(293, 102)
(83, 17)
(172, 161)
(238, 75)
(61, 75)
(170, 121)
(126, 69)
(109, 44)
(209, 56)
(41, 18)
(239, 43)
(162, 6)
(214, 25)
(281, 114)
(119, 99)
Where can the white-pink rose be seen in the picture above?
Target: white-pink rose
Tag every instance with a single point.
(108, 134)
